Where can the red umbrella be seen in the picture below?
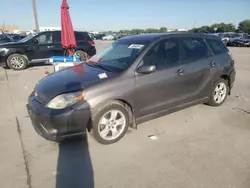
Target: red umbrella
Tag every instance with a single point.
(68, 36)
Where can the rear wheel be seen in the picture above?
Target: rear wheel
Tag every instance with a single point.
(110, 122)
(17, 62)
(219, 93)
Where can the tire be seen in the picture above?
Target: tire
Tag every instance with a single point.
(83, 55)
(111, 130)
(219, 92)
(17, 62)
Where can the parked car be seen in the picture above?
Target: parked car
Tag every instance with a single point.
(108, 37)
(5, 38)
(41, 46)
(17, 37)
(91, 36)
(98, 36)
(117, 37)
(135, 79)
(242, 42)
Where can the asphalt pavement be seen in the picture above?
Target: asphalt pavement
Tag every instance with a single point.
(198, 147)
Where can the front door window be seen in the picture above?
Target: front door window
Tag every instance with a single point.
(43, 39)
(162, 55)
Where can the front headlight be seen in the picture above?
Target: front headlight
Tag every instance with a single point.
(4, 50)
(65, 100)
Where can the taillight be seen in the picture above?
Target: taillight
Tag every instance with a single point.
(231, 61)
(92, 43)
(231, 55)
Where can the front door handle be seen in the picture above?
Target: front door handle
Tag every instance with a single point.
(212, 64)
(50, 46)
(180, 72)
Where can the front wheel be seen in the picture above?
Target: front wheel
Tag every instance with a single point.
(17, 62)
(110, 122)
(219, 93)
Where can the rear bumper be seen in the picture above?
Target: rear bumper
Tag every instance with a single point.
(232, 78)
(56, 125)
(2, 61)
(92, 51)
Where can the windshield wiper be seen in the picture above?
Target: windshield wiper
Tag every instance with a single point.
(99, 66)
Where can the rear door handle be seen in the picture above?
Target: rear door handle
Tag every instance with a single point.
(180, 72)
(50, 46)
(212, 64)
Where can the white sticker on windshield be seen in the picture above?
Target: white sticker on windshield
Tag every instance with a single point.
(103, 75)
(136, 46)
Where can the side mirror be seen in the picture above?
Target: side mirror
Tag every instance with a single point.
(146, 69)
(35, 42)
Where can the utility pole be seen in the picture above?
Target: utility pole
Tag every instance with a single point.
(35, 15)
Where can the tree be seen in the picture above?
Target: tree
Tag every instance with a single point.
(244, 26)
(205, 29)
(136, 31)
(222, 27)
(152, 30)
(163, 30)
(194, 30)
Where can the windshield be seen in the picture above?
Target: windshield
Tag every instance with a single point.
(3, 36)
(117, 57)
(27, 38)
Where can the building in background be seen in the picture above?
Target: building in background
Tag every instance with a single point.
(49, 28)
(8, 28)
(94, 32)
(182, 29)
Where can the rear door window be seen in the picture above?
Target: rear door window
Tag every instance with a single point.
(218, 47)
(57, 37)
(194, 49)
(81, 36)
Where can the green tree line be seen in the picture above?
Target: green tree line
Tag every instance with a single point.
(139, 31)
(243, 26)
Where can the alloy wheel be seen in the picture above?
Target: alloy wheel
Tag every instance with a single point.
(17, 62)
(220, 92)
(111, 125)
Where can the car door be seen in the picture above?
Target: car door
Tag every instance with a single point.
(163, 88)
(58, 50)
(197, 68)
(42, 46)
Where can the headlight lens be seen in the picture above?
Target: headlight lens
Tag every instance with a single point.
(65, 100)
(3, 50)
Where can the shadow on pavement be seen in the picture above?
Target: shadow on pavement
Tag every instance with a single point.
(74, 167)
(38, 64)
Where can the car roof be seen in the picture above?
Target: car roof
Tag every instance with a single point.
(148, 38)
(56, 31)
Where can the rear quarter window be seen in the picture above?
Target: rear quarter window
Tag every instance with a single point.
(218, 47)
(89, 38)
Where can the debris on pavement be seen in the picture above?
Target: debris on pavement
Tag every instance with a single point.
(153, 137)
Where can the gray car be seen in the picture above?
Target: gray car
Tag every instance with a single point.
(135, 79)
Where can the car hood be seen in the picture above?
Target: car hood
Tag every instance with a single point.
(10, 44)
(70, 80)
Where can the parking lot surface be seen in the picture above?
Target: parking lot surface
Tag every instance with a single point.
(198, 147)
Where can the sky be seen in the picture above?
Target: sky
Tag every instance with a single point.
(104, 15)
